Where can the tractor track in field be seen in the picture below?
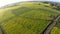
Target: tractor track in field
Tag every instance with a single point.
(1, 29)
(51, 25)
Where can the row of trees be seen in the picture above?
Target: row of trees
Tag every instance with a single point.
(54, 5)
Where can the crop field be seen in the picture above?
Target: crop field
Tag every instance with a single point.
(27, 18)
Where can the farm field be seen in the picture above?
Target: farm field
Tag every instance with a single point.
(27, 18)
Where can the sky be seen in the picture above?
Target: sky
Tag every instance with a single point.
(6, 2)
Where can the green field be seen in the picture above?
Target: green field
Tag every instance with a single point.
(26, 18)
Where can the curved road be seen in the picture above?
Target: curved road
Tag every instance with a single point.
(51, 25)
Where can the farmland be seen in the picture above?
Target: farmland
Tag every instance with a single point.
(27, 18)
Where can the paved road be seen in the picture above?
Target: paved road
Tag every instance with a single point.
(51, 25)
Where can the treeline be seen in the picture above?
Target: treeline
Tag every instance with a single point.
(54, 5)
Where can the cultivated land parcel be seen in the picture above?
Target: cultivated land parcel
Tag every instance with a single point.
(27, 18)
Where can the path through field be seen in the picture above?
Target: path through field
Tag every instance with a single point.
(1, 29)
(51, 25)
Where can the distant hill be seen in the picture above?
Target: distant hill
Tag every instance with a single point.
(14, 4)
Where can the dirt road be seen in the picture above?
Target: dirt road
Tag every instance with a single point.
(51, 25)
(1, 29)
